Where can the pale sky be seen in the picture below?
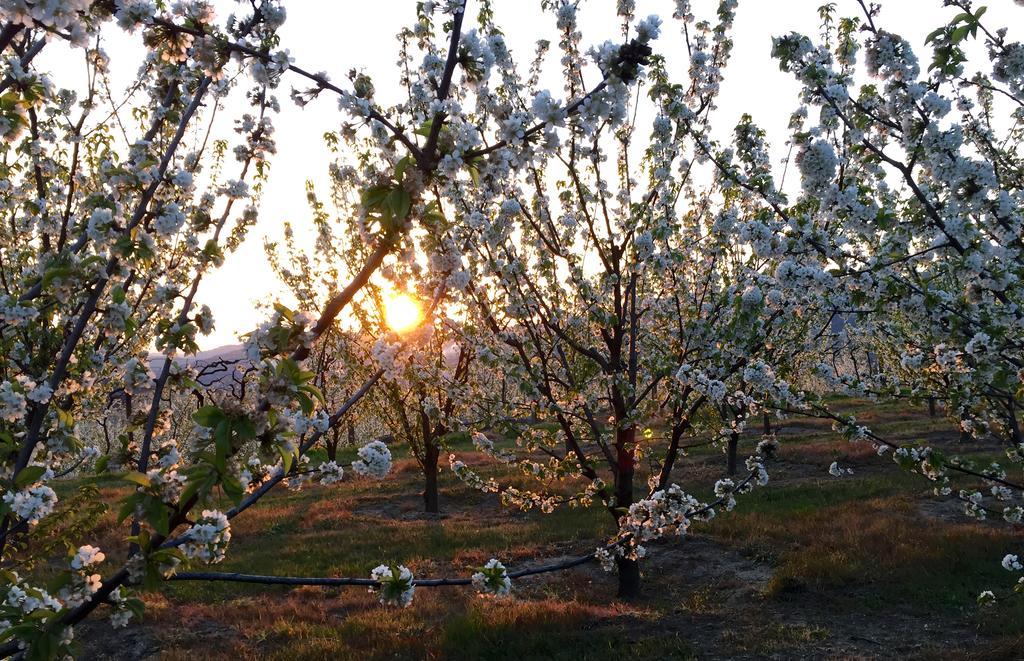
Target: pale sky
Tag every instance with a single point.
(339, 35)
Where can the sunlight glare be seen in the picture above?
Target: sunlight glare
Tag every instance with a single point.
(402, 313)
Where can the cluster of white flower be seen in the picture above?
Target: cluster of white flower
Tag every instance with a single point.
(65, 16)
(330, 473)
(649, 28)
(204, 320)
(15, 314)
(40, 393)
(374, 460)
(87, 555)
(396, 585)
(1009, 67)
(482, 443)
(835, 470)
(302, 424)
(236, 189)
(666, 511)
(756, 466)
(137, 375)
(715, 390)
(768, 446)
(605, 558)
(169, 221)
(547, 109)
(12, 403)
(889, 56)
(385, 354)
(32, 503)
(471, 477)
(974, 504)
(266, 341)
(208, 537)
(486, 446)
(818, 164)
(1011, 563)
(30, 599)
(724, 491)
(269, 72)
(253, 474)
(492, 579)
(122, 613)
(84, 583)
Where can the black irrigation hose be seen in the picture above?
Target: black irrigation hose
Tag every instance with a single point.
(340, 581)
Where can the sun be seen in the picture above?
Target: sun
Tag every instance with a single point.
(402, 313)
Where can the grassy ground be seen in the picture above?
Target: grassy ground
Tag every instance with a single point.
(865, 566)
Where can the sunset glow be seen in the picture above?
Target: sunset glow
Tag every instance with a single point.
(402, 313)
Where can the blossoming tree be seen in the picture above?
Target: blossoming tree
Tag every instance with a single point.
(612, 267)
(614, 275)
(108, 242)
(919, 169)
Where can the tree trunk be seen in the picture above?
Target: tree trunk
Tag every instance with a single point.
(734, 441)
(965, 436)
(1015, 435)
(629, 578)
(625, 444)
(767, 423)
(332, 445)
(430, 497)
(931, 407)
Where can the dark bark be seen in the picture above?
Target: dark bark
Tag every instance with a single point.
(965, 436)
(931, 407)
(332, 445)
(1014, 426)
(734, 441)
(629, 570)
(629, 578)
(767, 423)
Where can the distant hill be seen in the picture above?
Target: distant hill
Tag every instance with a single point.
(215, 365)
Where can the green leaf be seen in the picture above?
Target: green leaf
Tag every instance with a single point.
(57, 582)
(286, 458)
(399, 201)
(128, 506)
(401, 167)
(244, 429)
(222, 439)
(159, 516)
(207, 416)
(138, 478)
(136, 606)
(64, 417)
(28, 475)
(55, 272)
(425, 129)
(233, 488)
(305, 402)
(373, 197)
